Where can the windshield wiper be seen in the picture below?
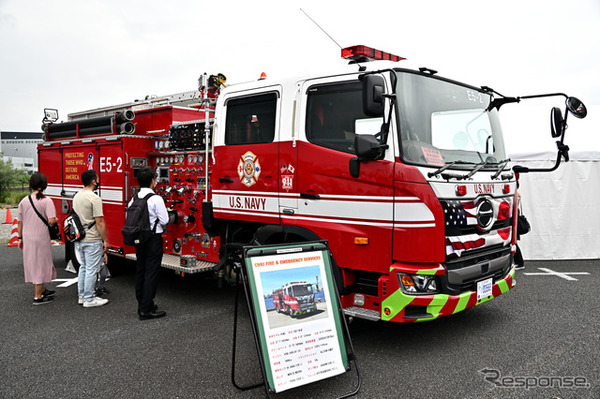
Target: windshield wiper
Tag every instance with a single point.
(448, 165)
(478, 168)
(501, 166)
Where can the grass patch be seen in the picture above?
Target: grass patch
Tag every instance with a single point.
(12, 198)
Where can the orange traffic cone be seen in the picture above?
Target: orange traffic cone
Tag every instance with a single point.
(9, 218)
(14, 234)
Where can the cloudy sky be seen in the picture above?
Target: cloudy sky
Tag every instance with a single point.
(76, 55)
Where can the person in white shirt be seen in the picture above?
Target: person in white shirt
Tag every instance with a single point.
(149, 254)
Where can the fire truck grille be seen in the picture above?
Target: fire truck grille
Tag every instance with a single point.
(476, 256)
(462, 275)
(463, 218)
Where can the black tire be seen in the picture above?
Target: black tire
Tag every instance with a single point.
(276, 234)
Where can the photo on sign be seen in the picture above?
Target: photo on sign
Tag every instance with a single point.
(293, 295)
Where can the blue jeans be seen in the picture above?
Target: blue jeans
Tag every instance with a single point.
(90, 256)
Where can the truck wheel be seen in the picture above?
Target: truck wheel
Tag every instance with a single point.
(276, 234)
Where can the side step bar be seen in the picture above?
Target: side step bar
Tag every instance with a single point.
(174, 262)
(361, 313)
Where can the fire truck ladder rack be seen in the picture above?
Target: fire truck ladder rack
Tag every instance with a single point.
(174, 262)
(184, 99)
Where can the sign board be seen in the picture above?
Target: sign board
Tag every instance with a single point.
(297, 314)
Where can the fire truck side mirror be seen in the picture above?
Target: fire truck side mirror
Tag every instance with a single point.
(576, 107)
(556, 122)
(373, 90)
(367, 146)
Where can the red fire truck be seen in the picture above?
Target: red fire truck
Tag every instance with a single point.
(295, 299)
(402, 171)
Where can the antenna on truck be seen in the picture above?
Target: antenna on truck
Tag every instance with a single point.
(360, 67)
(319, 26)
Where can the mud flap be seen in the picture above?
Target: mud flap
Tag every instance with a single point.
(211, 225)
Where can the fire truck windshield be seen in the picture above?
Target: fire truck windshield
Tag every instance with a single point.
(302, 290)
(443, 122)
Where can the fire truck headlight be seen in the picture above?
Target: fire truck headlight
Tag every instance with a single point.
(415, 284)
(359, 299)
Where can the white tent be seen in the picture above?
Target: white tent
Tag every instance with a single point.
(562, 206)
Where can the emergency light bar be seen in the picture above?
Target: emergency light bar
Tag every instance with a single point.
(365, 54)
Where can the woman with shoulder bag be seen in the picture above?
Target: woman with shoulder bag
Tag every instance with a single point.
(36, 215)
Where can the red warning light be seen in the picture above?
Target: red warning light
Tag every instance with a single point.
(365, 54)
(461, 190)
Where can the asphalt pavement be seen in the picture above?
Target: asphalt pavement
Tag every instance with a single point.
(540, 340)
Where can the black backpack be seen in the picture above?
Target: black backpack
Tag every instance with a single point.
(137, 222)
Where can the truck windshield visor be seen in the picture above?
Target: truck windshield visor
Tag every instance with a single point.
(443, 121)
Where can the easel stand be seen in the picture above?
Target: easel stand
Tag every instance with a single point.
(242, 269)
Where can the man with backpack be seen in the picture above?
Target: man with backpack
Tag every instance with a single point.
(91, 249)
(145, 222)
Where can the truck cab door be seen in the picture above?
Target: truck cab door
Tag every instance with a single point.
(355, 214)
(245, 177)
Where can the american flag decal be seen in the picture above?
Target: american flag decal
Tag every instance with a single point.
(462, 231)
(457, 213)
(457, 245)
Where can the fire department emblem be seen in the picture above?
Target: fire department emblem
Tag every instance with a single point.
(249, 169)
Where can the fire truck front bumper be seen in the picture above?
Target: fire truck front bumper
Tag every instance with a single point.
(401, 307)
(304, 310)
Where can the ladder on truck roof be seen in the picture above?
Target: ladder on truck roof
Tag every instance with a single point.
(192, 99)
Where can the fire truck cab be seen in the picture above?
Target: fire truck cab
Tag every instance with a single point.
(295, 299)
(400, 170)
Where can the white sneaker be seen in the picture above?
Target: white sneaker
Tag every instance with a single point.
(81, 300)
(95, 302)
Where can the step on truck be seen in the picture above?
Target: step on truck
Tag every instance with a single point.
(402, 171)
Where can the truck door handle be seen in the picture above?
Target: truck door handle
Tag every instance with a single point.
(310, 196)
(225, 180)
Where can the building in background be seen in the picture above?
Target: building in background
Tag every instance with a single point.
(20, 148)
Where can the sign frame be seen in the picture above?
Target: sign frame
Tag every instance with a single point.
(304, 346)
